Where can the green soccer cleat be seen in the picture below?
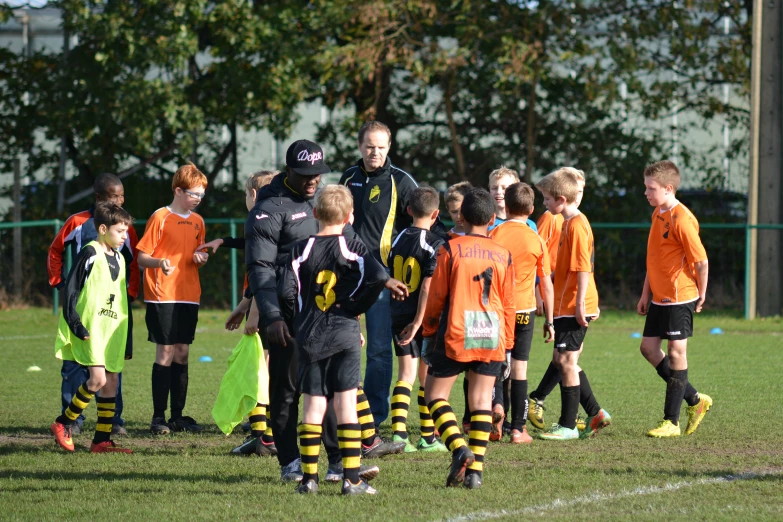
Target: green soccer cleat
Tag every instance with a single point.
(409, 448)
(580, 423)
(665, 429)
(595, 423)
(558, 432)
(435, 446)
(696, 413)
(535, 413)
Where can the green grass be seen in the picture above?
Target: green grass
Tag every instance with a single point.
(617, 475)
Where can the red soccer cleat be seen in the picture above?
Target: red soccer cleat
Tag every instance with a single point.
(62, 434)
(108, 446)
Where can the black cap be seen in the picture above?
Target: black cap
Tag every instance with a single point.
(306, 158)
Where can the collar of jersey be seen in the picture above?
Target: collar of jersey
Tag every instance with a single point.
(380, 170)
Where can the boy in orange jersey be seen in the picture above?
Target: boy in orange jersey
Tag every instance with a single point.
(468, 326)
(576, 304)
(675, 286)
(531, 259)
(549, 227)
(168, 252)
(454, 196)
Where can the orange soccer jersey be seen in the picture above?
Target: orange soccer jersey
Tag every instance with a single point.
(673, 247)
(471, 301)
(175, 237)
(530, 259)
(549, 226)
(575, 254)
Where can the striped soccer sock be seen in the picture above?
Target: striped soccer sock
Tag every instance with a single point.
(258, 420)
(106, 407)
(349, 440)
(480, 426)
(309, 448)
(79, 401)
(446, 424)
(400, 404)
(366, 419)
(427, 426)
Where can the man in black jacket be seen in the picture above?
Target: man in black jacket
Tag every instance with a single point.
(381, 193)
(282, 216)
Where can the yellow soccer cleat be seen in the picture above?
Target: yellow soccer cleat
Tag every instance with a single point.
(535, 413)
(665, 429)
(697, 413)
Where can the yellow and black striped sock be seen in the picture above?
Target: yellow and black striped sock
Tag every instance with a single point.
(309, 448)
(480, 426)
(446, 424)
(258, 420)
(106, 407)
(427, 426)
(366, 419)
(400, 404)
(268, 437)
(349, 440)
(79, 401)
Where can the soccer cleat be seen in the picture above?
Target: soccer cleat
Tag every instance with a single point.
(362, 488)
(665, 429)
(460, 459)
(118, 430)
(62, 434)
(248, 447)
(696, 413)
(435, 446)
(266, 449)
(185, 424)
(580, 423)
(380, 447)
(558, 432)
(158, 426)
(472, 479)
(307, 488)
(108, 446)
(335, 472)
(521, 437)
(595, 423)
(408, 448)
(535, 413)
(292, 472)
(498, 415)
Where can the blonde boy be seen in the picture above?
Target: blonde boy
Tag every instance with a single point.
(575, 305)
(675, 286)
(330, 281)
(454, 196)
(169, 253)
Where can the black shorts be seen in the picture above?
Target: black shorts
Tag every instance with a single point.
(171, 323)
(673, 322)
(523, 336)
(337, 373)
(441, 365)
(569, 335)
(413, 348)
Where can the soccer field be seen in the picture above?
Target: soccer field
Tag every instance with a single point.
(730, 469)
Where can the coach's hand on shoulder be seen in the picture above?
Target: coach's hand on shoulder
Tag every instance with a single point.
(278, 333)
(214, 245)
(399, 290)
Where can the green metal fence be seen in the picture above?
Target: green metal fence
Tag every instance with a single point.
(55, 224)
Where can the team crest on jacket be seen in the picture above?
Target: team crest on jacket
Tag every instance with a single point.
(375, 194)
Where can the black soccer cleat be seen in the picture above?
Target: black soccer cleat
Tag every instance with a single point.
(461, 458)
(472, 479)
(248, 447)
(158, 426)
(380, 448)
(265, 449)
(185, 424)
(309, 487)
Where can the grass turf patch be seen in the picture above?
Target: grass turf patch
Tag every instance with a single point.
(731, 468)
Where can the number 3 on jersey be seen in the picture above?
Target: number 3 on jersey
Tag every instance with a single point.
(408, 271)
(328, 279)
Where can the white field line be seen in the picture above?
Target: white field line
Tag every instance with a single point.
(18, 337)
(594, 498)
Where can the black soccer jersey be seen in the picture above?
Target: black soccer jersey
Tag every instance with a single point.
(411, 259)
(329, 281)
